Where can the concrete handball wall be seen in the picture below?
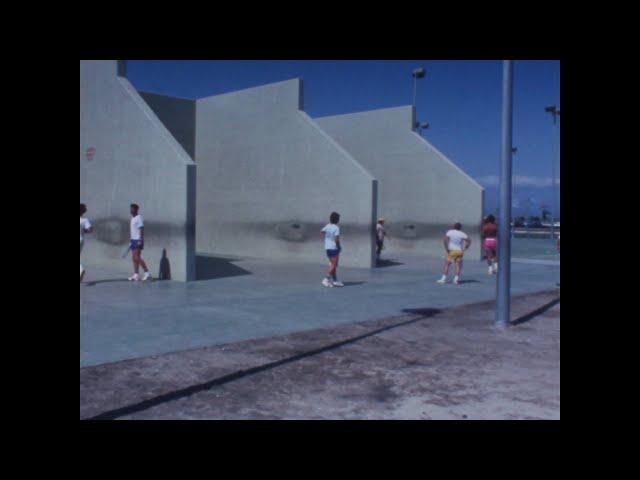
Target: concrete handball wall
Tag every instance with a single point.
(136, 160)
(178, 115)
(268, 178)
(421, 192)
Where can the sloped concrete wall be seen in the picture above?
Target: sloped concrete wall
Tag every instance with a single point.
(421, 192)
(178, 115)
(268, 178)
(136, 160)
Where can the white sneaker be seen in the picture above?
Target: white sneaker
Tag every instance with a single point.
(442, 281)
(491, 270)
(456, 281)
(326, 283)
(147, 276)
(495, 268)
(338, 284)
(134, 278)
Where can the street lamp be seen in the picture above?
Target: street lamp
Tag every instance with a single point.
(421, 126)
(416, 74)
(555, 112)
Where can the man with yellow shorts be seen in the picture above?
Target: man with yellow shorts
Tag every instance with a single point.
(455, 243)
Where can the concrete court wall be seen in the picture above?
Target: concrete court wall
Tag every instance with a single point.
(178, 115)
(268, 178)
(421, 192)
(136, 160)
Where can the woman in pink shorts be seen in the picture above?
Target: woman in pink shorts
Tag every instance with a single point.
(490, 243)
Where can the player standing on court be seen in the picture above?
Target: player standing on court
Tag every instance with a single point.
(381, 233)
(137, 244)
(455, 244)
(331, 236)
(85, 227)
(490, 243)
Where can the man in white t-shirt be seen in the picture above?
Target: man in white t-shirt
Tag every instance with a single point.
(85, 227)
(331, 236)
(455, 243)
(137, 244)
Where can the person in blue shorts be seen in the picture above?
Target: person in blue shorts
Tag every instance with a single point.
(331, 236)
(136, 245)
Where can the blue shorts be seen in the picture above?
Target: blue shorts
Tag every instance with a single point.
(136, 245)
(333, 253)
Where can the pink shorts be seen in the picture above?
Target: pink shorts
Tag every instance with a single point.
(490, 243)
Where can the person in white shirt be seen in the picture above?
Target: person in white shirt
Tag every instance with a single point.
(456, 242)
(137, 244)
(331, 236)
(85, 227)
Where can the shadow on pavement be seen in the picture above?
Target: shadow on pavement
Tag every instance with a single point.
(98, 282)
(209, 268)
(387, 263)
(535, 313)
(194, 389)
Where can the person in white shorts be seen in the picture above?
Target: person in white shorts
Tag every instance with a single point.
(85, 227)
(137, 245)
(456, 242)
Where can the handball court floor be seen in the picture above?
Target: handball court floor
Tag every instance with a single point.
(242, 299)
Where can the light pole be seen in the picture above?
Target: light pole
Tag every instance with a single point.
(555, 112)
(416, 74)
(503, 296)
(514, 150)
(421, 126)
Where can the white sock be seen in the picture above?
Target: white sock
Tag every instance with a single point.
(456, 278)
(444, 278)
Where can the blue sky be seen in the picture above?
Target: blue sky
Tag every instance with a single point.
(460, 99)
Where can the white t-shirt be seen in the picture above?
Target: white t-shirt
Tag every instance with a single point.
(456, 238)
(380, 232)
(331, 231)
(136, 224)
(84, 225)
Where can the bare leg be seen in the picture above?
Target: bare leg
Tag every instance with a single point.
(333, 267)
(141, 261)
(447, 264)
(135, 258)
(458, 267)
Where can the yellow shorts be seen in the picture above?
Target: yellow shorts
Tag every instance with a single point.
(455, 255)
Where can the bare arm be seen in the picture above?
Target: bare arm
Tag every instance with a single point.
(338, 242)
(468, 241)
(142, 235)
(446, 243)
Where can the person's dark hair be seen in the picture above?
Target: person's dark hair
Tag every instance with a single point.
(83, 209)
(458, 226)
(491, 219)
(334, 218)
(135, 206)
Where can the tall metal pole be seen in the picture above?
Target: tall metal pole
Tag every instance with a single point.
(503, 297)
(415, 81)
(556, 189)
(553, 178)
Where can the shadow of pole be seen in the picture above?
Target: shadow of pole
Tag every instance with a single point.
(536, 312)
(192, 390)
